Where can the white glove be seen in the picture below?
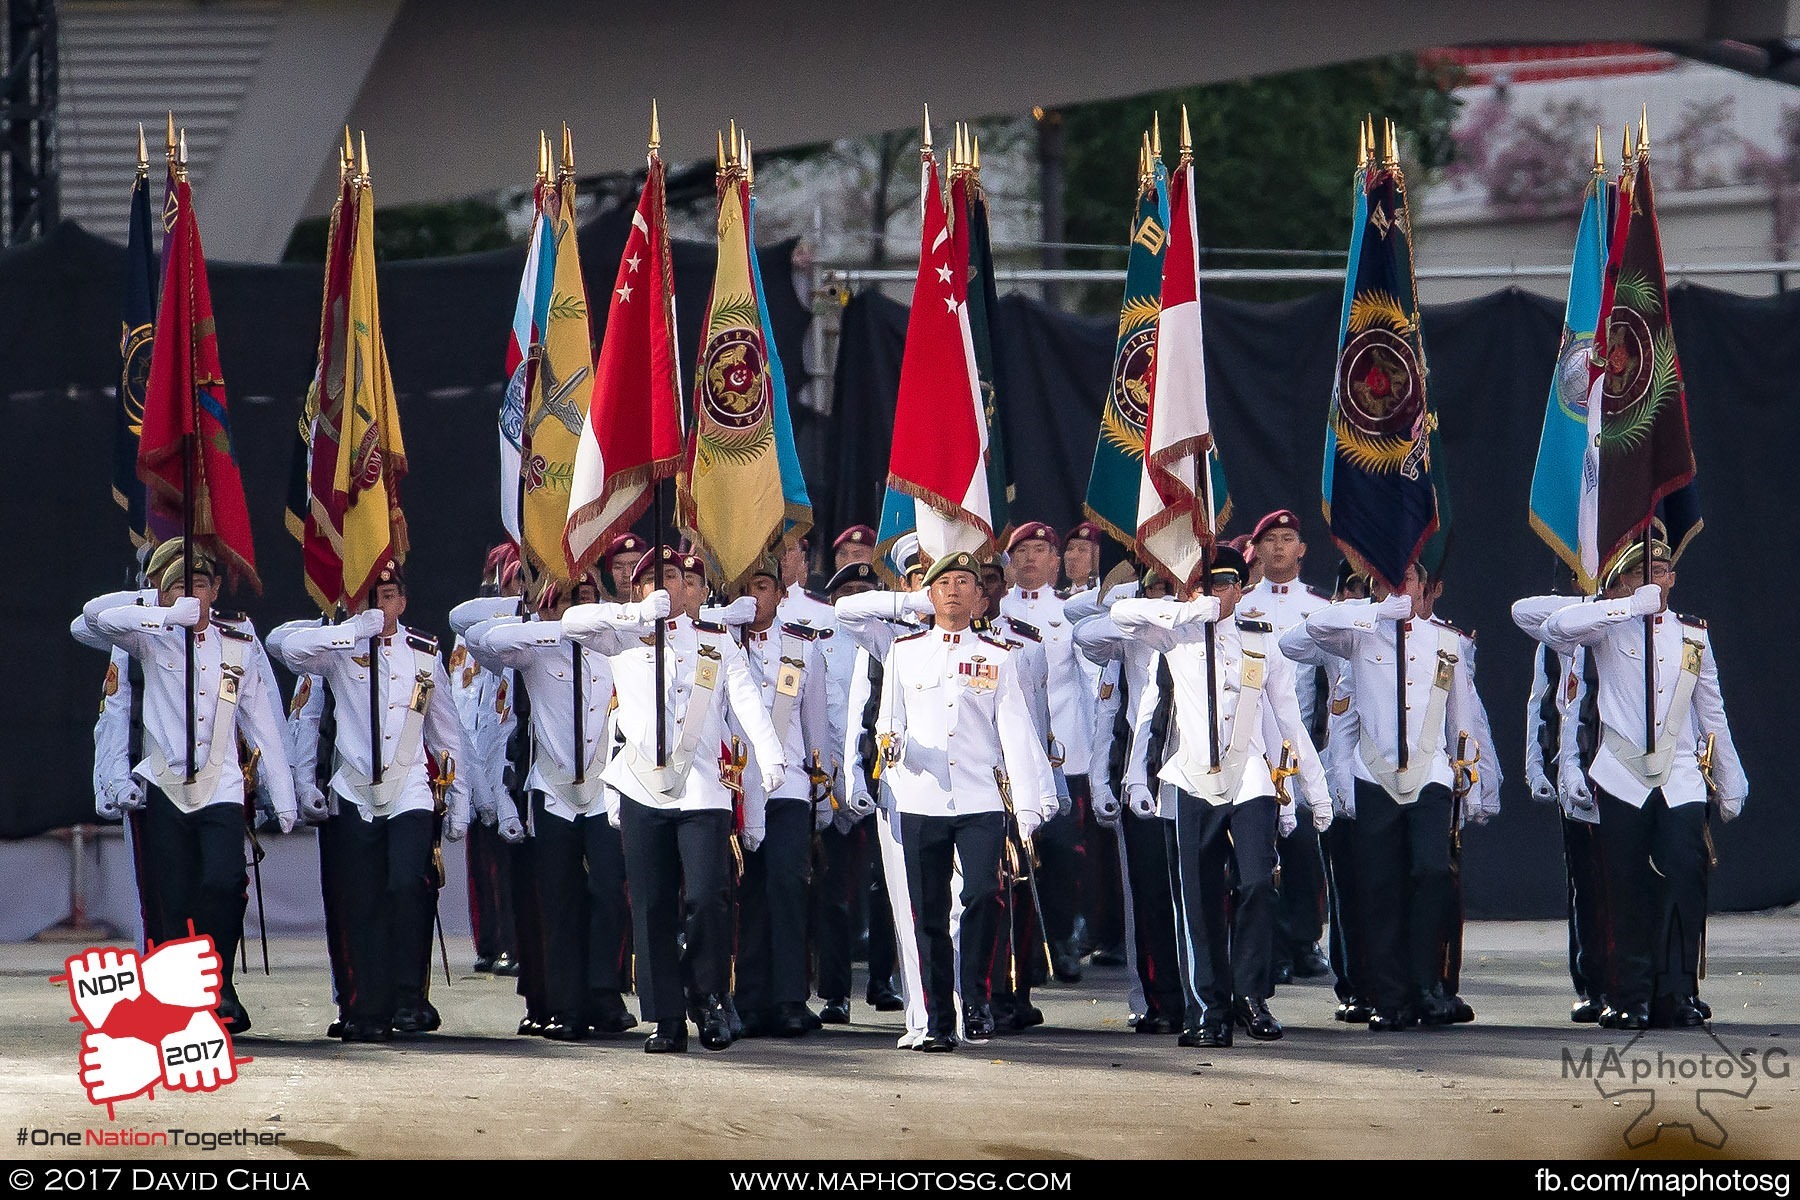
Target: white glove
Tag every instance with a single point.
(741, 611)
(1397, 607)
(772, 776)
(1321, 815)
(615, 808)
(94, 999)
(752, 840)
(823, 816)
(368, 624)
(313, 803)
(455, 830)
(106, 808)
(1052, 807)
(1541, 788)
(1575, 788)
(512, 830)
(860, 804)
(129, 796)
(845, 820)
(917, 602)
(1107, 809)
(286, 819)
(1343, 803)
(1029, 822)
(184, 973)
(1142, 803)
(198, 1058)
(117, 1068)
(185, 612)
(1730, 807)
(1285, 820)
(653, 607)
(1646, 601)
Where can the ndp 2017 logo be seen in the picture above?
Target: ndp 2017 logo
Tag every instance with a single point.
(149, 1020)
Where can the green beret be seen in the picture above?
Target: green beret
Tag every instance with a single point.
(962, 560)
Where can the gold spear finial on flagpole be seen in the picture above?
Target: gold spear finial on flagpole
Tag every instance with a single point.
(721, 164)
(1362, 144)
(1155, 135)
(1187, 136)
(362, 160)
(1144, 171)
(925, 146)
(143, 163)
(1643, 145)
(346, 157)
(975, 146)
(1625, 148)
(1390, 154)
(749, 163)
(731, 149)
(567, 166)
(655, 128)
(543, 171)
(171, 141)
(181, 155)
(1599, 153)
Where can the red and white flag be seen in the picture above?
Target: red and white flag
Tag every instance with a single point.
(939, 454)
(633, 434)
(1176, 521)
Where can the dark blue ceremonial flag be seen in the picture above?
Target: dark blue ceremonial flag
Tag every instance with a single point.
(1382, 504)
(137, 320)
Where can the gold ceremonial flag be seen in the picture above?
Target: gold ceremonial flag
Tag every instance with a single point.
(557, 407)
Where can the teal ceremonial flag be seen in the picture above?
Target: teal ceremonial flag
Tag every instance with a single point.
(798, 519)
(1359, 216)
(1556, 482)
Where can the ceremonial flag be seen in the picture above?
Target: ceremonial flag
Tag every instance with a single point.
(939, 455)
(530, 312)
(187, 426)
(730, 496)
(1359, 216)
(633, 433)
(1381, 497)
(968, 201)
(796, 504)
(315, 515)
(371, 457)
(1176, 517)
(1557, 482)
(1645, 450)
(137, 327)
(562, 383)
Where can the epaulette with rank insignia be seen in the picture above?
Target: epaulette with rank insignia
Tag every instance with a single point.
(907, 637)
(1452, 628)
(803, 632)
(1696, 622)
(997, 643)
(1255, 626)
(708, 626)
(236, 634)
(1029, 632)
(815, 597)
(229, 618)
(1316, 592)
(423, 643)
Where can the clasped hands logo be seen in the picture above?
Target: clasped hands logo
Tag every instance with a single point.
(149, 1020)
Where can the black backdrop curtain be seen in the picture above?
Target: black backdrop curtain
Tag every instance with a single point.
(1269, 379)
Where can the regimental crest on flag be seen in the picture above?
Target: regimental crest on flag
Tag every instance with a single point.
(734, 387)
(1122, 424)
(1381, 417)
(1639, 366)
(1572, 370)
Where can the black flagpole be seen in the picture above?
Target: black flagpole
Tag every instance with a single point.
(1400, 681)
(1649, 660)
(187, 576)
(1212, 649)
(656, 568)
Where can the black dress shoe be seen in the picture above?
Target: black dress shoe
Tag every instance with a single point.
(1635, 1017)
(1585, 1012)
(505, 964)
(755, 1024)
(1215, 1033)
(1258, 1022)
(1065, 961)
(607, 1014)
(559, 1030)
(978, 1022)
(1700, 1006)
(1391, 1020)
(1284, 973)
(1460, 1011)
(1191, 1035)
(1671, 1013)
(937, 1045)
(792, 1020)
(530, 1026)
(668, 1039)
(232, 1016)
(1433, 1007)
(335, 1029)
(1609, 1017)
(484, 965)
(835, 1012)
(1311, 963)
(1108, 956)
(715, 1023)
(366, 1031)
(1025, 1015)
(733, 1021)
(883, 998)
(417, 1016)
(1155, 1025)
(1353, 1012)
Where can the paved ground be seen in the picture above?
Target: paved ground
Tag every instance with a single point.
(1084, 1086)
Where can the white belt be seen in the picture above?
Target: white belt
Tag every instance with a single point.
(670, 779)
(191, 797)
(1652, 770)
(381, 797)
(1221, 786)
(1404, 785)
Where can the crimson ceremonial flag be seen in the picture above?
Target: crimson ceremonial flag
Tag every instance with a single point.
(320, 517)
(632, 437)
(184, 404)
(1646, 452)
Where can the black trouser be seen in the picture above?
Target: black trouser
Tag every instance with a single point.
(884, 945)
(1229, 937)
(150, 905)
(1588, 967)
(1403, 890)
(197, 861)
(1654, 858)
(1300, 904)
(934, 846)
(1172, 854)
(528, 921)
(1062, 855)
(1347, 937)
(580, 868)
(1103, 891)
(490, 893)
(391, 890)
(834, 909)
(334, 883)
(1153, 914)
(669, 853)
(772, 901)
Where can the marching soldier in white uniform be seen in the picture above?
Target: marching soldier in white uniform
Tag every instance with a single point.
(387, 849)
(957, 744)
(193, 831)
(1653, 800)
(1405, 895)
(576, 853)
(787, 664)
(1229, 808)
(677, 817)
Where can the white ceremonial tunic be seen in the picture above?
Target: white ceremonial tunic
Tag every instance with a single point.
(952, 705)
(807, 725)
(615, 631)
(1342, 728)
(1285, 605)
(541, 653)
(489, 718)
(336, 654)
(1615, 637)
(1069, 691)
